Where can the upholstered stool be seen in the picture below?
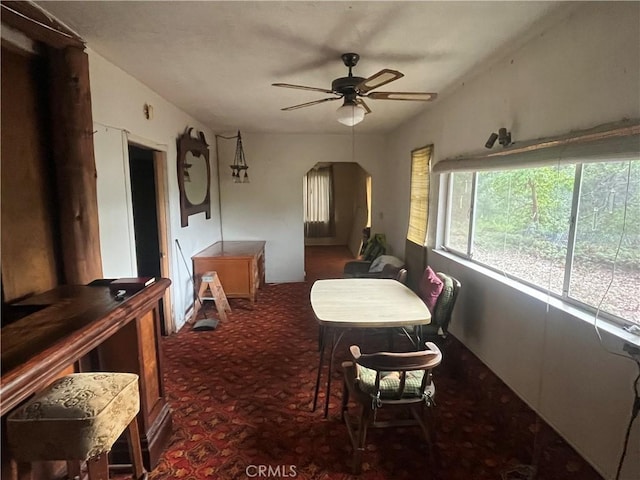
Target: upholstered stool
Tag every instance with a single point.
(78, 418)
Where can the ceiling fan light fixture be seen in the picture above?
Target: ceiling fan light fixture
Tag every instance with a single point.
(350, 114)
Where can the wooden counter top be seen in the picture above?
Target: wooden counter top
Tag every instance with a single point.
(75, 320)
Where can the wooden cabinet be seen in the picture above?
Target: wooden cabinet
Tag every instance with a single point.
(136, 348)
(240, 267)
(83, 328)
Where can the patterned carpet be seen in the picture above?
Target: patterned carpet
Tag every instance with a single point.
(241, 398)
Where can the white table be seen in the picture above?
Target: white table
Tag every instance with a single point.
(346, 303)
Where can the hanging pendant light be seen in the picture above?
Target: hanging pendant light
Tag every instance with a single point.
(239, 167)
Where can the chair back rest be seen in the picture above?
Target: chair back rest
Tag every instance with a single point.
(446, 301)
(385, 363)
(401, 276)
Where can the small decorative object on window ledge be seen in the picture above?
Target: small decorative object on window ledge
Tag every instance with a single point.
(239, 163)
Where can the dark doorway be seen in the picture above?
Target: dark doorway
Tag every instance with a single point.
(145, 214)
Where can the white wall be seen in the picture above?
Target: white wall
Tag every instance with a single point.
(582, 72)
(270, 207)
(117, 102)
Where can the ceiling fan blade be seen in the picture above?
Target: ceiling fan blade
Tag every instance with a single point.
(376, 80)
(302, 87)
(410, 96)
(308, 104)
(359, 101)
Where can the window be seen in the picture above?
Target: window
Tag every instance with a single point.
(318, 202)
(518, 222)
(460, 211)
(607, 244)
(419, 196)
(522, 223)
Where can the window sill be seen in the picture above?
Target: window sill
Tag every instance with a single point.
(603, 325)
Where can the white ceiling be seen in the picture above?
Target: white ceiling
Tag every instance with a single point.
(217, 60)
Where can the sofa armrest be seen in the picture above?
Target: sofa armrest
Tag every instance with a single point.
(390, 271)
(356, 268)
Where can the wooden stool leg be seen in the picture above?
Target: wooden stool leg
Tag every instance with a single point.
(98, 467)
(74, 469)
(135, 450)
(197, 302)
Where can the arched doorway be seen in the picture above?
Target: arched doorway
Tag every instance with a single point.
(336, 210)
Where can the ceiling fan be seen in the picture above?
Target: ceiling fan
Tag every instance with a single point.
(355, 89)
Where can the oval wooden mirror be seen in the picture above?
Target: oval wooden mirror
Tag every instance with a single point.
(194, 176)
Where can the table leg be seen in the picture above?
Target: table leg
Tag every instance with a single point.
(419, 337)
(335, 341)
(320, 337)
(322, 343)
(328, 394)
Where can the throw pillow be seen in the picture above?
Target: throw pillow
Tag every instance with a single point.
(430, 288)
(378, 264)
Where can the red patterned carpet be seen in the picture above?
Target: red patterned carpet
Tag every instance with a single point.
(241, 398)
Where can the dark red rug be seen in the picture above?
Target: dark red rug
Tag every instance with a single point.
(241, 398)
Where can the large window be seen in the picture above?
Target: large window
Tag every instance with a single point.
(419, 199)
(518, 222)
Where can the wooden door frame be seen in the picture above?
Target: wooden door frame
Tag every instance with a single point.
(162, 208)
(160, 168)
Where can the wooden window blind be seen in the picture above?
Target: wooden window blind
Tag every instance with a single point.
(419, 200)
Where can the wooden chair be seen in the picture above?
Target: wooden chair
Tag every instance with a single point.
(386, 380)
(438, 329)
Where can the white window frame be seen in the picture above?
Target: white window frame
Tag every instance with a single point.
(571, 242)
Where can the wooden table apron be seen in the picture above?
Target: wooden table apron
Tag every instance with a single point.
(346, 303)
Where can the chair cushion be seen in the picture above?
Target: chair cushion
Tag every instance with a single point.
(379, 263)
(75, 418)
(430, 288)
(390, 383)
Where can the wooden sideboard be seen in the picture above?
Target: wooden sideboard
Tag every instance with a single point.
(240, 267)
(83, 328)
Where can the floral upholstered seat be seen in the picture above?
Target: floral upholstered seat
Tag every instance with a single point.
(76, 418)
(390, 383)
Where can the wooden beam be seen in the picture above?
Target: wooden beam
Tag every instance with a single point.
(36, 24)
(583, 136)
(534, 150)
(72, 135)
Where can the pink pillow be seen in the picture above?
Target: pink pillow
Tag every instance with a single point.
(430, 288)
